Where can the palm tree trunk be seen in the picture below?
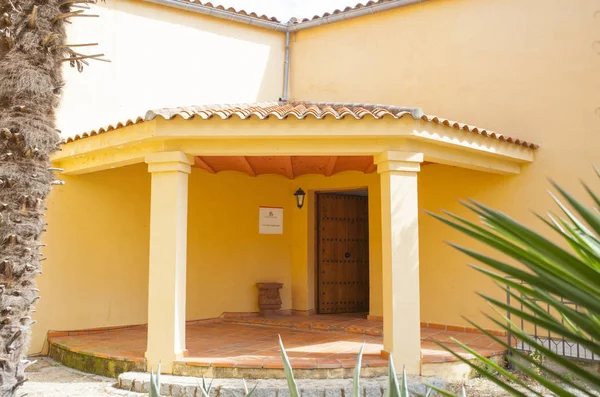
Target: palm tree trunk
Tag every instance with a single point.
(31, 36)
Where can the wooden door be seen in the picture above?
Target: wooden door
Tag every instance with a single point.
(342, 253)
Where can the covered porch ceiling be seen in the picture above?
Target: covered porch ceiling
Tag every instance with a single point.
(293, 139)
(287, 166)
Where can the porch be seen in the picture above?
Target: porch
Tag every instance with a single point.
(321, 346)
(206, 249)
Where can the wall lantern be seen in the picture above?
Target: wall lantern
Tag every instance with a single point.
(300, 194)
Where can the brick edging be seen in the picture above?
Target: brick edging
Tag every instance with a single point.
(88, 331)
(247, 315)
(459, 328)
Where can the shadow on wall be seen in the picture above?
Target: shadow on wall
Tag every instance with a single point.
(165, 57)
(96, 274)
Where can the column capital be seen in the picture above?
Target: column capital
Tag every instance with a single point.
(398, 161)
(169, 162)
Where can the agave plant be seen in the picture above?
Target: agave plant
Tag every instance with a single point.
(289, 374)
(394, 389)
(547, 275)
(204, 388)
(155, 383)
(246, 392)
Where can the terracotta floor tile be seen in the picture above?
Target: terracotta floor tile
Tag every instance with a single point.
(328, 363)
(223, 363)
(272, 364)
(249, 363)
(324, 341)
(197, 362)
(303, 363)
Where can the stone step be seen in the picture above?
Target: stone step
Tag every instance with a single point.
(187, 386)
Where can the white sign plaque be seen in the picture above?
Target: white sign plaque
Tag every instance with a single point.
(270, 220)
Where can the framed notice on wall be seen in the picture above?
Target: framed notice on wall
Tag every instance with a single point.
(270, 220)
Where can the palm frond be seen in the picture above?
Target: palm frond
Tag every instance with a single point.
(552, 287)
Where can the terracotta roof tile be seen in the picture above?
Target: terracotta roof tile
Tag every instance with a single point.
(292, 22)
(280, 110)
(108, 128)
(340, 11)
(303, 110)
(233, 10)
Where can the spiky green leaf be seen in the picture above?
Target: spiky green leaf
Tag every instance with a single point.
(393, 389)
(287, 368)
(356, 377)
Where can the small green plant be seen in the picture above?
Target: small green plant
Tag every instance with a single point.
(484, 367)
(568, 377)
(204, 389)
(155, 383)
(537, 361)
(246, 393)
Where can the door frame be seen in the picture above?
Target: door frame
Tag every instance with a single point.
(315, 238)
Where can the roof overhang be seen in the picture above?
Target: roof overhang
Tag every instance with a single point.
(294, 24)
(327, 136)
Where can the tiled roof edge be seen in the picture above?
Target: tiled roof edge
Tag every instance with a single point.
(302, 110)
(294, 24)
(358, 10)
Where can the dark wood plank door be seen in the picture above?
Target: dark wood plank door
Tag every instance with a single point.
(342, 253)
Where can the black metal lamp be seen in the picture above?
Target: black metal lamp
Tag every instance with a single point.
(300, 194)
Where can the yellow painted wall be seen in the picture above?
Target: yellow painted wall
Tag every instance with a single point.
(226, 254)
(529, 69)
(524, 68)
(96, 273)
(165, 57)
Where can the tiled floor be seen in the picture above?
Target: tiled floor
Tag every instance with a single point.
(251, 342)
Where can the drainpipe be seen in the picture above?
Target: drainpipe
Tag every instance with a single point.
(290, 26)
(195, 6)
(286, 67)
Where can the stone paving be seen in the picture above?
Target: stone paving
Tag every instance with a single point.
(184, 386)
(50, 379)
(47, 378)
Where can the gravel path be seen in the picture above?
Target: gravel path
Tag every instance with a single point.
(481, 387)
(50, 379)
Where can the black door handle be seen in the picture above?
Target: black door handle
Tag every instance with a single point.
(347, 255)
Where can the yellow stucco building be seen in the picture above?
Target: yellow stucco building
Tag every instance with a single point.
(159, 219)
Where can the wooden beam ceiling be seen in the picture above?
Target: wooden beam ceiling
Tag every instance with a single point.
(289, 166)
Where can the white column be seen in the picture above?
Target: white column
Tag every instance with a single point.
(168, 246)
(400, 258)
